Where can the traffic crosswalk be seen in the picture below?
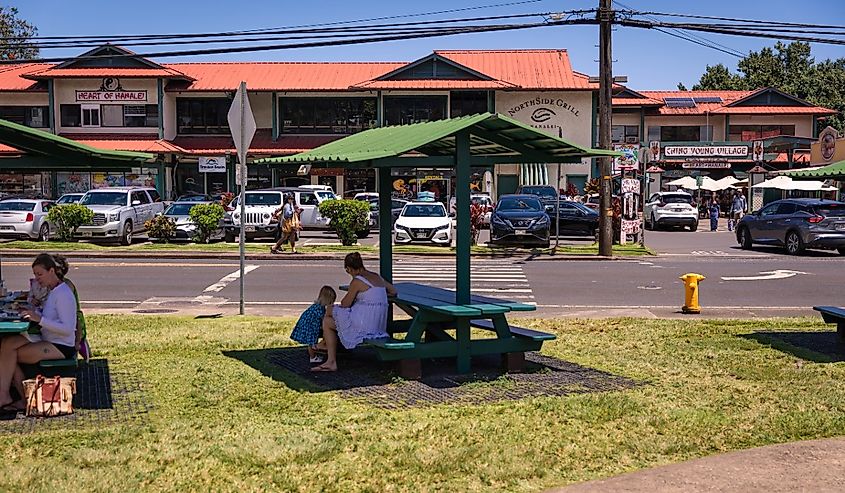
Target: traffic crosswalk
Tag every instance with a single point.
(495, 278)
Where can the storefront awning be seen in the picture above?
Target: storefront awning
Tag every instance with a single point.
(47, 150)
(835, 171)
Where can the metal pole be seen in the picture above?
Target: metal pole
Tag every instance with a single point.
(242, 165)
(605, 17)
(557, 209)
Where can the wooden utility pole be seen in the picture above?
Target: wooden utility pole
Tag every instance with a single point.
(605, 18)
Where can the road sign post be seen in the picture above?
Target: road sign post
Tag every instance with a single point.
(242, 125)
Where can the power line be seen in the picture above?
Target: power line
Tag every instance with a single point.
(750, 21)
(730, 31)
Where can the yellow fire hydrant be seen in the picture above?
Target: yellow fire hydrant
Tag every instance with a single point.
(691, 281)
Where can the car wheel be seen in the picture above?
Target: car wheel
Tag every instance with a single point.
(229, 237)
(794, 243)
(363, 234)
(693, 227)
(126, 235)
(841, 251)
(44, 232)
(744, 238)
(653, 222)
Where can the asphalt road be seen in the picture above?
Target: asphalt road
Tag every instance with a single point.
(765, 285)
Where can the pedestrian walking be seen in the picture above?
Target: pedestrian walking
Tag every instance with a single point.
(715, 210)
(738, 208)
(289, 216)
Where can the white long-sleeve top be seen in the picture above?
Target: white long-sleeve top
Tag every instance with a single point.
(58, 317)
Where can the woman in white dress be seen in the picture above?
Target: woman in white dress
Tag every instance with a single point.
(361, 314)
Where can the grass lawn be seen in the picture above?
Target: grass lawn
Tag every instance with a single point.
(219, 424)
(621, 250)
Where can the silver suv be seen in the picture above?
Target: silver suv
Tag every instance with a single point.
(119, 212)
(795, 224)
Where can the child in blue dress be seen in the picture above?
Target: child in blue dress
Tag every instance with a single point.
(309, 327)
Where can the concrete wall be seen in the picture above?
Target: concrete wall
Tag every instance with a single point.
(65, 93)
(803, 123)
(24, 99)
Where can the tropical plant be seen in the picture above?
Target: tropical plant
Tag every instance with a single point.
(206, 218)
(476, 221)
(592, 187)
(68, 217)
(347, 217)
(162, 228)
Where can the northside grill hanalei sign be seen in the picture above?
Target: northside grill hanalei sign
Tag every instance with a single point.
(705, 151)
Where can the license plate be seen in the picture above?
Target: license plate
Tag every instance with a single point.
(421, 235)
(677, 210)
(7, 228)
(249, 229)
(520, 232)
(840, 226)
(86, 233)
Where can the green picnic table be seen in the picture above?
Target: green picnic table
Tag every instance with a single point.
(14, 327)
(434, 312)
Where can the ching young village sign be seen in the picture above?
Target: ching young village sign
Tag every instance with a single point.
(705, 151)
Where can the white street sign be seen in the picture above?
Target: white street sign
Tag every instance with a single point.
(767, 275)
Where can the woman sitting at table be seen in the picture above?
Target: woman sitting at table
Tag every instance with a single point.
(362, 313)
(57, 319)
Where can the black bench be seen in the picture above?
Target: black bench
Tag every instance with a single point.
(833, 315)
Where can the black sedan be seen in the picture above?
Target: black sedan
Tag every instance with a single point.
(520, 220)
(576, 219)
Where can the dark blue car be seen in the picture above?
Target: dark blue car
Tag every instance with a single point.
(520, 220)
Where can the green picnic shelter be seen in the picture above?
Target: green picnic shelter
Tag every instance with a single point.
(477, 140)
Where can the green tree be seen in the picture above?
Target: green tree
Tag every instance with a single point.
(206, 218)
(789, 68)
(718, 77)
(18, 34)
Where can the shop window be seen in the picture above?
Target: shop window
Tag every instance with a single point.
(686, 133)
(463, 103)
(202, 115)
(112, 115)
(140, 115)
(404, 110)
(70, 182)
(327, 115)
(31, 116)
(625, 134)
(746, 133)
(71, 115)
(90, 115)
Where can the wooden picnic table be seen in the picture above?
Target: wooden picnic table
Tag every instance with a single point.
(434, 311)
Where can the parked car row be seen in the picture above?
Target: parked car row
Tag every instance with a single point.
(795, 225)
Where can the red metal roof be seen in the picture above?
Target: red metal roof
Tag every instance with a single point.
(96, 73)
(700, 108)
(528, 69)
(11, 80)
(434, 84)
(279, 76)
(126, 142)
(261, 144)
(636, 102)
(774, 110)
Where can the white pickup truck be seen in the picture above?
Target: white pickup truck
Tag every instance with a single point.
(119, 212)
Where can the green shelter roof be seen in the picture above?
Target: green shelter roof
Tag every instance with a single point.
(491, 136)
(41, 143)
(833, 171)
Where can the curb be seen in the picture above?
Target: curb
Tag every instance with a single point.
(82, 254)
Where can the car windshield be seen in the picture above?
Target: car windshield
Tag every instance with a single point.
(525, 205)
(541, 191)
(326, 195)
(676, 199)
(482, 201)
(178, 209)
(17, 206)
(424, 210)
(69, 199)
(584, 208)
(835, 210)
(263, 199)
(194, 198)
(104, 198)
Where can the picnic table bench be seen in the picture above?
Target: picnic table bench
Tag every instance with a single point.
(833, 315)
(47, 366)
(434, 311)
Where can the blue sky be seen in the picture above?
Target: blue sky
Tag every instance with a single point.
(650, 59)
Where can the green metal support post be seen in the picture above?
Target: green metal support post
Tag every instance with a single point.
(385, 221)
(160, 101)
(462, 230)
(274, 115)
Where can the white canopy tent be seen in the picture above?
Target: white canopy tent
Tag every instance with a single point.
(787, 183)
(690, 183)
(721, 184)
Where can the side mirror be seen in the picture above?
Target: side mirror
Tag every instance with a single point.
(136, 202)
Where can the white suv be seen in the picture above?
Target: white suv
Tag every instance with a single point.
(261, 204)
(671, 209)
(119, 212)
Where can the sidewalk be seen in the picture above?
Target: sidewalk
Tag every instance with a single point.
(816, 465)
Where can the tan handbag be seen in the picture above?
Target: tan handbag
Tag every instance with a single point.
(52, 396)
